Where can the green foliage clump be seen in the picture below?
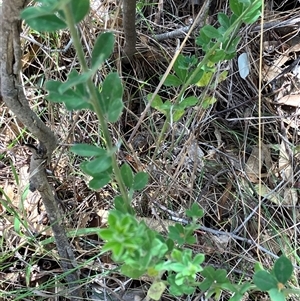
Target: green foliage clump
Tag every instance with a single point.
(138, 249)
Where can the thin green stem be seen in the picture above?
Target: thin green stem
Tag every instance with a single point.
(290, 291)
(161, 136)
(232, 31)
(94, 100)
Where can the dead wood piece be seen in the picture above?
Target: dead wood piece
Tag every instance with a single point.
(277, 24)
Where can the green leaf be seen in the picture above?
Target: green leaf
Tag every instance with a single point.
(205, 284)
(189, 101)
(166, 106)
(106, 234)
(158, 248)
(80, 9)
(197, 77)
(122, 206)
(230, 45)
(72, 99)
(264, 280)
(195, 211)
(222, 31)
(140, 180)
(203, 40)
(115, 110)
(236, 6)
(205, 79)
(258, 267)
(77, 98)
(130, 272)
(158, 104)
(198, 259)
(87, 150)
(100, 180)
(98, 165)
(179, 279)
(176, 233)
(246, 286)
(237, 297)
(209, 273)
(81, 89)
(208, 101)
(156, 290)
(73, 80)
(228, 286)
(40, 19)
(247, 2)
(177, 267)
(170, 244)
(276, 295)
(224, 20)
(172, 81)
(177, 254)
(251, 18)
(221, 276)
(181, 67)
(103, 48)
(188, 290)
(254, 13)
(106, 173)
(116, 248)
(210, 32)
(110, 98)
(114, 217)
(186, 255)
(127, 175)
(218, 56)
(230, 56)
(17, 225)
(177, 113)
(53, 5)
(190, 239)
(283, 269)
(233, 18)
(222, 76)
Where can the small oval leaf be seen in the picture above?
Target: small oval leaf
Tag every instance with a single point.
(283, 269)
(156, 290)
(80, 9)
(140, 180)
(276, 295)
(210, 32)
(99, 181)
(98, 165)
(38, 18)
(172, 81)
(87, 150)
(127, 175)
(103, 48)
(264, 280)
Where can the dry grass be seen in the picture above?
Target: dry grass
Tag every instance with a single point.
(209, 157)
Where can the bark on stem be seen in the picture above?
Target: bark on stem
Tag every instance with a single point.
(12, 94)
(129, 27)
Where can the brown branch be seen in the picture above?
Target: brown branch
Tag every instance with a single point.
(199, 21)
(129, 27)
(12, 94)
